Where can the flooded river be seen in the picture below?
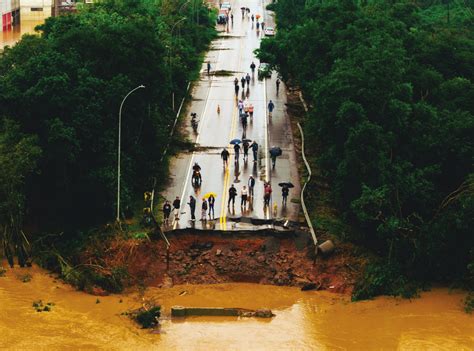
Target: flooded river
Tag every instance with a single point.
(303, 321)
(10, 37)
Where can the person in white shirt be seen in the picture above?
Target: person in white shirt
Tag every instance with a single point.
(244, 195)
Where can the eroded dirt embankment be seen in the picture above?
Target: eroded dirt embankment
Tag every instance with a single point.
(200, 258)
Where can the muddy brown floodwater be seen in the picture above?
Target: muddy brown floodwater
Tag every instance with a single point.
(303, 321)
(10, 37)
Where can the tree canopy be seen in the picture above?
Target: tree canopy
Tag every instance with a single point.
(390, 85)
(62, 91)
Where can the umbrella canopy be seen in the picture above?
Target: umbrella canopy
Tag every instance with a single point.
(288, 184)
(246, 140)
(257, 16)
(209, 195)
(242, 8)
(275, 151)
(235, 141)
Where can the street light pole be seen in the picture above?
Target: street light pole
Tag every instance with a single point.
(118, 149)
(169, 61)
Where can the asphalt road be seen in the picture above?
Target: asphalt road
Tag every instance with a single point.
(232, 52)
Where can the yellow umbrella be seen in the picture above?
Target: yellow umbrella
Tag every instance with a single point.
(209, 194)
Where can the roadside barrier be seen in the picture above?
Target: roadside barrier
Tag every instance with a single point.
(303, 205)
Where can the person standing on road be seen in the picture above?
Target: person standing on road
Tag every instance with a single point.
(271, 107)
(258, 26)
(274, 159)
(211, 201)
(244, 195)
(192, 207)
(242, 81)
(236, 81)
(237, 151)
(267, 194)
(240, 105)
(232, 195)
(176, 206)
(251, 110)
(247, 78)
(252, 67)
(285, 190)
(255, 151)
(204, 210)
(263, 25)
(246, 147)
(251, 184)
(243, 118)
(236, 90)
(225, 157)
(166, 211)
(208, 67)
(252, 18)
(277, 84)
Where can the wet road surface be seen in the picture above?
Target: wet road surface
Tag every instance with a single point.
(231, 56)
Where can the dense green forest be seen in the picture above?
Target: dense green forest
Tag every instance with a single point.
(60, 94)
(390, 86)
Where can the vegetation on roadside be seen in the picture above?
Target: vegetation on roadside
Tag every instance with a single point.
(390, 89)
(60, 95)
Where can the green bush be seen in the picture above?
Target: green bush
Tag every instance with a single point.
(383, 279)
(148, 318)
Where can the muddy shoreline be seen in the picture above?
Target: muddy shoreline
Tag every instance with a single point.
(200, 258)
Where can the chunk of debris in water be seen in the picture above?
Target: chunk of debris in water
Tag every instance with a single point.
(180, 311)
(182, 293)
(311, 286)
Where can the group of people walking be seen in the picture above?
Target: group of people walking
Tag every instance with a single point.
(207, 208)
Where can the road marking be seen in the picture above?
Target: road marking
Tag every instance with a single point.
(188, 172)
(223, 217)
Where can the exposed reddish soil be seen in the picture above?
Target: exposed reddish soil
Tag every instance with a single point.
(206, 259)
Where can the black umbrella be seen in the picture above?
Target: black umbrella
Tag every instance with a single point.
(246, 140)
(235, 141)
(288, 184)
(275, 151)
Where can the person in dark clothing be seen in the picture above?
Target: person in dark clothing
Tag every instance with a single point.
(246, 149)
(204, 210)
(278, 85)
(243, 118)
(284, 192)
(252, 67)
(255, 151)
(232, 195)
(192, 206)
(237, 90)
(247, 78)
(242, 81)
(208, 67)
(271, 106)
(176, 206)
(225, 156)
(237, 151)
(274, 159)
(263, 25)
(236, 81)
(167, 211)
(211, 201)
(251, 185)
